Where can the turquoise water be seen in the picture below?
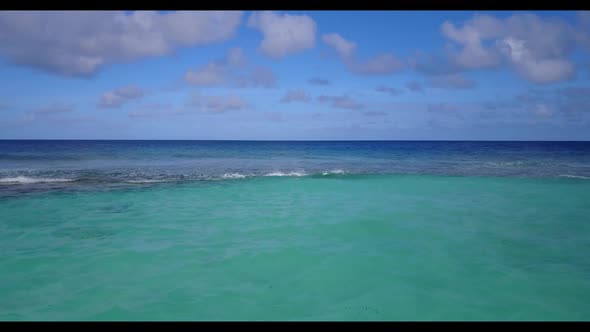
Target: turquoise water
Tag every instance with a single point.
(318, 247)
(228, 230)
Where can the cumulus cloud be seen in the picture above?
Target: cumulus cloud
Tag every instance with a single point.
(217, 104)
(344, 48)
(452, 82)
(318, 81)
(284, 34)
(210, 74)
(389, 90)
(571, 102)
(79, 43)
(296, 95)
(538, 49)
(380, 64)
(231, 70)
(530, 67)
(473, 55)
(118, 97)
(218, 71)
(340, 102)
(414, 86)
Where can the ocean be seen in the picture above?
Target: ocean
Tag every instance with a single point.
(257, 230)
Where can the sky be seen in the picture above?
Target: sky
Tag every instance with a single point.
(300, 75)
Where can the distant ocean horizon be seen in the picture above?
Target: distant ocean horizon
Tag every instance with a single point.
(294, 230)
(281, 140)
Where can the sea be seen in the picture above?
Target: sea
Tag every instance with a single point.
(134, 230)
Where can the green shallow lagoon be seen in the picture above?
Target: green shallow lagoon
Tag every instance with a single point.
(353, 247)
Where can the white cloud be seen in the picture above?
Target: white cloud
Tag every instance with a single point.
(217, 72)
(120, 96)
(380, 64)
(343, 47)
(217, 104)
(210, 74)
(233, 70)
(533, 69)
(295, 95)
(474, 55)
(79, 43)
(284, 34)
(538, 49)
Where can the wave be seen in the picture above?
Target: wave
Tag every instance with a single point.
(123, 178)
(336, 171)
(233, 176)
(286, 174)
(28, 180)
(574, 176)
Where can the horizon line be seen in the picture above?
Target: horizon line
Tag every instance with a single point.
(283, 140)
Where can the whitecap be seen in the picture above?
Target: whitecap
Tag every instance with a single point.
(286, 174)
(28, 180)
(574, 176)
(233, 176)
(336, 171)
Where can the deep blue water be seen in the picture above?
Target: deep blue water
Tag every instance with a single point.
(34, 163)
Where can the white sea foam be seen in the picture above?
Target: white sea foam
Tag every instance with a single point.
(286, 174)
(233, 176)
(574, 176)
(28, 180)
(336, 171)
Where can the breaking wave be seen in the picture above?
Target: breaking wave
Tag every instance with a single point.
(574, 176)
(29, 180)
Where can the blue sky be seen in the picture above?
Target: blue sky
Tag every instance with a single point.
(295, 75)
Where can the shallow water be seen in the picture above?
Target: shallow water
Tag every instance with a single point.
(339, 246)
